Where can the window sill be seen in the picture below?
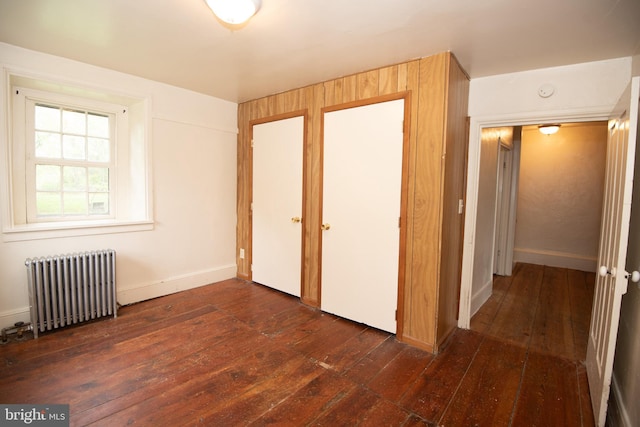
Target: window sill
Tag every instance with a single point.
(73, 229)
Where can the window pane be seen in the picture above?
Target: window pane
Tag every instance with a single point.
(47, 178)
(74, 122)
(98, 125)
(98, 179)
(75, 203)
(48, 204)
(47, 118)
(72, 159)
(48, 145)
(99, 150)
(98, 203)
(73, 147)
(75, 179)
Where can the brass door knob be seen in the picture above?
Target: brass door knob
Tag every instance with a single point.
(296, 219)
(325, 227)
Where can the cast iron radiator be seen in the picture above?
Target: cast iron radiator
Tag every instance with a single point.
(72, 288)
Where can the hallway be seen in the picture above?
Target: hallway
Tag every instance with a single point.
(545, 309)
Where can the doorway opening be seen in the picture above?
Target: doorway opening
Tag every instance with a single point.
(539, 210)
(610, 286)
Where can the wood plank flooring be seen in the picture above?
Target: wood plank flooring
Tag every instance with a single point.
(236, 353)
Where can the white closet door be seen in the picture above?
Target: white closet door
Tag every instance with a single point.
(362, 180)
(277, 204)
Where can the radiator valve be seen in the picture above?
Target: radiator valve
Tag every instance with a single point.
(18, 328)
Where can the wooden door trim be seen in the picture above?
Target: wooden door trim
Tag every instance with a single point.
(406, 95)
(277, 117)
(473, 170)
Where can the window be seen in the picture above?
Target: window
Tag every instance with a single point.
(70, 164)
(77, 160)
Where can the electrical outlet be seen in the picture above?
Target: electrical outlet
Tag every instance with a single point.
(241, 253)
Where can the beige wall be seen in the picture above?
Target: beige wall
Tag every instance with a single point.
(560, 196)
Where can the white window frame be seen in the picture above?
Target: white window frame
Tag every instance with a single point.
(131, 202)
(118, 123)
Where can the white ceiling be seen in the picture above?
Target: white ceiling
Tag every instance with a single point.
(293, 43)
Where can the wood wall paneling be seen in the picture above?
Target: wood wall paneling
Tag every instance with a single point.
(438, 89)
(349, 89)
(420, 326)
(311, 288)
(411, 74)
(367, 84)
(455, 152)
(388, 80)
(243, 185)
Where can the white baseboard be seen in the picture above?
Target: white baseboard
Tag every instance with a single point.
(145, 291)
(480, 297)
(555, 259)
(142, 292)
(617, 414)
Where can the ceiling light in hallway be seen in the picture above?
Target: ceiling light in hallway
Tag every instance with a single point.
(548, 129)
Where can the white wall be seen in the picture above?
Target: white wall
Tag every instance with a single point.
(581, 87)
(486, 213)
(581, 92)
(560, 196)
(193, 148)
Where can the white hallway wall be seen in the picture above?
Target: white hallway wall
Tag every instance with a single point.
(193, 148)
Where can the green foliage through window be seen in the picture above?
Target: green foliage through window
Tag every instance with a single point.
(72, 162)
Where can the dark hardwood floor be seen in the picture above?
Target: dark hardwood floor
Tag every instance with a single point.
(236, 353)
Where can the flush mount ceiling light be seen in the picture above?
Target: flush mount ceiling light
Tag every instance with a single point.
(234, 12)
(548, 129)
